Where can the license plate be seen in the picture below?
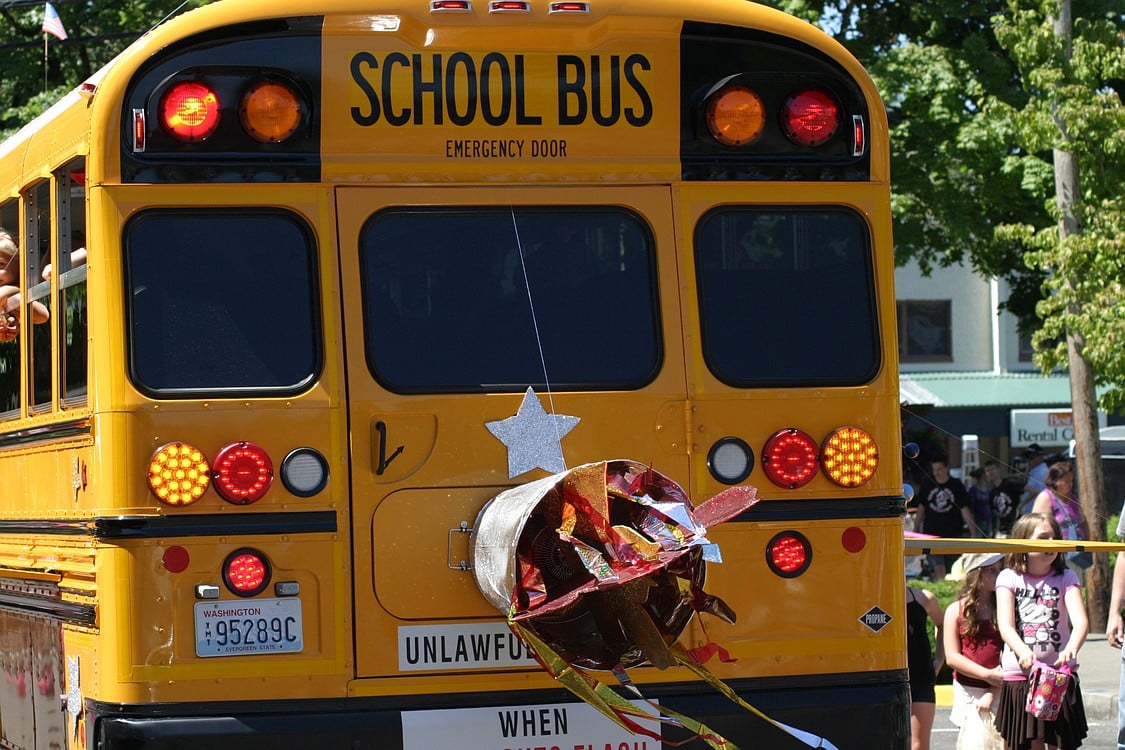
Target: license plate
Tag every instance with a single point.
(256, 626)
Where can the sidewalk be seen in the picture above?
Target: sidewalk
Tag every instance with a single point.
(1099, 670)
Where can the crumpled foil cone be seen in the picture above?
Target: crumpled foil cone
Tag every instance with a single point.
(604, 562)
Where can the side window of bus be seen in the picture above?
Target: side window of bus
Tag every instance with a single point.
(460, 300)
(9, 308)
(221, 301)
(787, 296)
(70, 229)
(36, 255)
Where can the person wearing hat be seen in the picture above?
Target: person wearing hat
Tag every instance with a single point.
(972, 649)
(1036, 476)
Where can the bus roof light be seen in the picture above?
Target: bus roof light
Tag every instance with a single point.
(735, 115)
(789, 554)
(509, 6)
(849, 456)
(810, 117)
(789, 458)
(178, 474)
(246, 572)
(189, 111)
(270, 112)
(442, 6)
(568, 7)
(243, 473)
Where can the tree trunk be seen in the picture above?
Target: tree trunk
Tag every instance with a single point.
(1088, 445)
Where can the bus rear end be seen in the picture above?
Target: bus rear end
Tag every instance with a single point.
(379, 267)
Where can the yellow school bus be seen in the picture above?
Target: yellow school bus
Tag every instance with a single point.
(302, 255)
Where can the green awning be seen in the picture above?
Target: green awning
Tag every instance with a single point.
(966, 390)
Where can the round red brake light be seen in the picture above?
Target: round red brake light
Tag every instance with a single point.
(810, 117)
(190, 111)
(789, 554)
(242, 473)
(246, 572)
(789, 458)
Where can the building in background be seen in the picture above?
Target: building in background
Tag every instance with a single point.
(965, 370)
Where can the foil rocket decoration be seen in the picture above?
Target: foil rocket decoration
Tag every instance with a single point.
(601, 568)
(533, 437)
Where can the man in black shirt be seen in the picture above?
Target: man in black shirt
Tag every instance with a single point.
(943, 510)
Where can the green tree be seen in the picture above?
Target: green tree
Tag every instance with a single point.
(1075, 118)
(96, 32)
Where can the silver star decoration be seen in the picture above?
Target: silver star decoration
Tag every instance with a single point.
(533, 437)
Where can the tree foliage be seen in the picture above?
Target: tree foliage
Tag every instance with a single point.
(96, 32)
(1074, 104)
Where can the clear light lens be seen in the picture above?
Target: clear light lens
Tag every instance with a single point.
(304, 472)
(730, 460)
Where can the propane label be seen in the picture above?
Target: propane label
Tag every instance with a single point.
(557, 726)
(458, 647)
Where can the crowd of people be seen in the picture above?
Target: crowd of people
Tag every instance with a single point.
(1014, 613)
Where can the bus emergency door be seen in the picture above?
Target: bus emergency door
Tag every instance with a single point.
(442, 338)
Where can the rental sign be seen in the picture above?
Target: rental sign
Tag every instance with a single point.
(1047, 427)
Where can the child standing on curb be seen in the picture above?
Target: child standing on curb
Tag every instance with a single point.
(1042, 618)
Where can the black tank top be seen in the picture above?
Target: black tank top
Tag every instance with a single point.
(919, 657)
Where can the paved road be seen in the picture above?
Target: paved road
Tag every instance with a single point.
(1102, 736)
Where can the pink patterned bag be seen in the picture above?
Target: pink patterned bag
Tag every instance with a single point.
(1046, 690)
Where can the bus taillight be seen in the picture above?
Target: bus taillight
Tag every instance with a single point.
(246, 572)
(849, 456)
(243, 472)
(270, 112)
(811, 117)
(735, 115)
(178, 474)
(189, 111)
(789, 458)
(789, 554)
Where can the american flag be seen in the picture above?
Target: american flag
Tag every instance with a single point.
(52, 24)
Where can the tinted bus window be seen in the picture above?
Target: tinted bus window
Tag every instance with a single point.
(221, 301)
(787, 297)
(448, 306)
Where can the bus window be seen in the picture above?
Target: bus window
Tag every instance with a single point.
(9, 347)
(221, 301)
(787, 297)
(71, 232)
(36, 255)
(448, 307)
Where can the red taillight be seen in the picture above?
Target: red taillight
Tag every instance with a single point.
(242, 473)
(789, 554)
(810, 117)
(246, 572)
(190, 111)
(789, 458)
